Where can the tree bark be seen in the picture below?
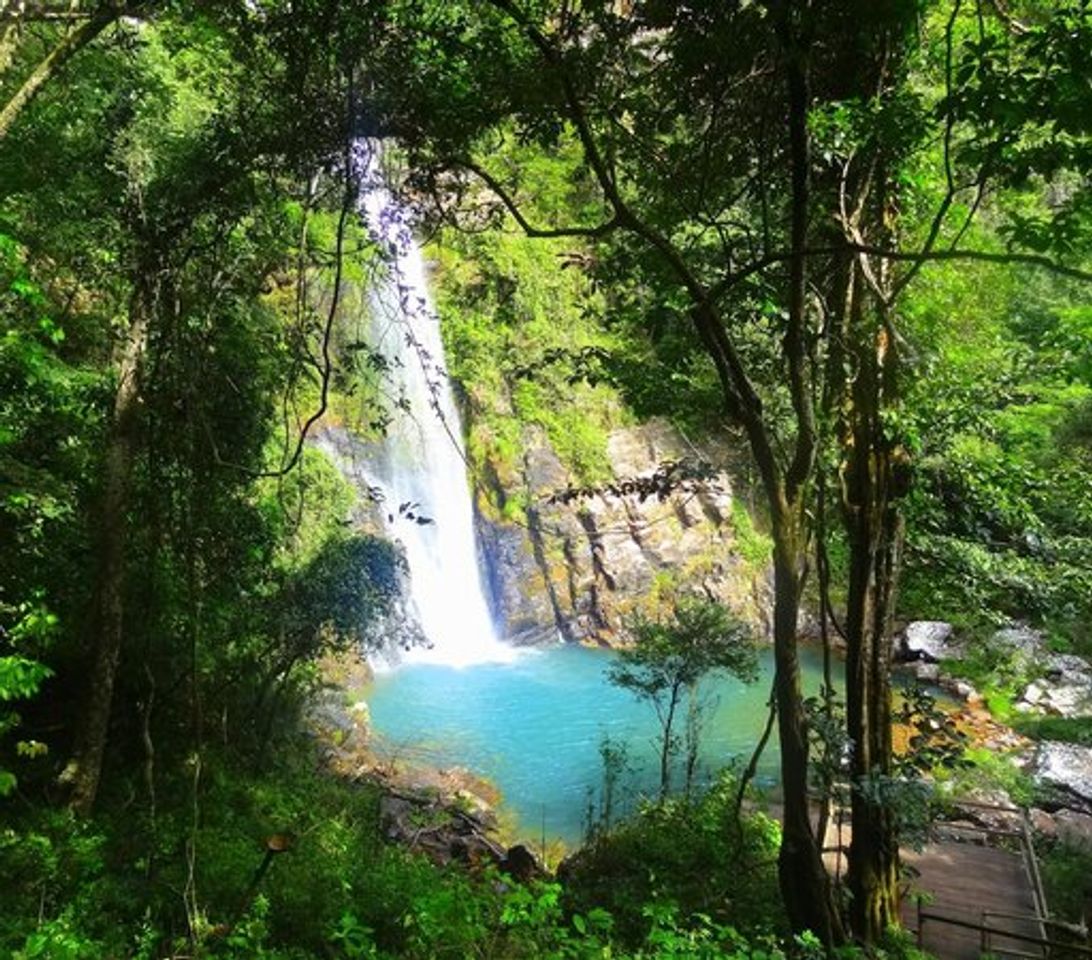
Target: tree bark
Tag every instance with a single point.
(802, 876)
(665, 747)
(871, 489)
(69, 45)
(804, 882)
(84, 770)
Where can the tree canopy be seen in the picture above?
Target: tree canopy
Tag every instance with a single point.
(852, 237)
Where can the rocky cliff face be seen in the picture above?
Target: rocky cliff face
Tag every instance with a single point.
(574, 569)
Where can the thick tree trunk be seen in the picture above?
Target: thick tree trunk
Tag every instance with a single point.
(876, 540)
(873, 474)
(805, 884)
(84, 770)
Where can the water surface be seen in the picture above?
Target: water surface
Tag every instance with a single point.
(533, 727)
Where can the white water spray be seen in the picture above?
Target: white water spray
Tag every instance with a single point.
(421, 468)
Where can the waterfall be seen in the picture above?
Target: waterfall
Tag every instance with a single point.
(421, 467)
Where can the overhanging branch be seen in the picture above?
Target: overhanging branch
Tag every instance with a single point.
(1008, 258)
(513, 208)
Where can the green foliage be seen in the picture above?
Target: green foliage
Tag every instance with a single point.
(699, 638)
(1024, 90)
(679, 857)
(1067, 879)
(522, 328)
(614, 756)
(1000, 518)
(195, 154)
(671, 874)
(988, 770)
(999, 673)
(754, 548)
(171, 162)
(21, 677)
(668, 660)
(1065, 729)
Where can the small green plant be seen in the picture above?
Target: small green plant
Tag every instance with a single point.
(1066, 729)
(1067, 877)
(987, 769)
(671, 656)
(353, 938)
(754, 547)
(1000, 674)
(614, 757)
(58, 939)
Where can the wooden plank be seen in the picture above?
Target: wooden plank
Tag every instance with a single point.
(963, 881)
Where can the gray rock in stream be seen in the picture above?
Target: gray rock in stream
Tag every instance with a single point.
(1065, 687)
(1074, 829)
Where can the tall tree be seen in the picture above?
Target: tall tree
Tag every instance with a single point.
(695, 128)
(668, 107)
(670, 657)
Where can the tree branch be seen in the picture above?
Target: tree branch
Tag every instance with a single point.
(1009, 258)
(795, 341)
(949, 175)
(982, 256)
(69, 45)
(513, 208)
(326, 369)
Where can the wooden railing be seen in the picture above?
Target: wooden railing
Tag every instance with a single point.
(1048, 947)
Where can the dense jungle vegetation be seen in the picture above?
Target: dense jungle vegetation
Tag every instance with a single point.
(853, 235)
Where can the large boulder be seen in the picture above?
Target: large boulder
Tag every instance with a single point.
(1074, 829)
(1020, 641)
(1067, 767)
(1065, 687)
(929, 640)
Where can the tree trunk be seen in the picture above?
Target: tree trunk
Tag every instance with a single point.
(84, 770)
(876, 534)
(69, 45)
(665, 747)
(9, 37)
(805, 884)
(872, 472)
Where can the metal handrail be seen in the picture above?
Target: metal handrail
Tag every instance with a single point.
(1034, 875)
(988, 931)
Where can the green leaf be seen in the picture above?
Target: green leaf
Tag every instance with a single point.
(20, 677)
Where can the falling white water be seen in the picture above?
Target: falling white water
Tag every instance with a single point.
(421, 469)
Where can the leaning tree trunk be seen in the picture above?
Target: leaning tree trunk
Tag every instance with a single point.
(84, 770)
(67, 47)
(804, 881)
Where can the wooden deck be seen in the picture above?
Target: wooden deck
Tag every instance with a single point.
(974, 883)
(966, 879)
